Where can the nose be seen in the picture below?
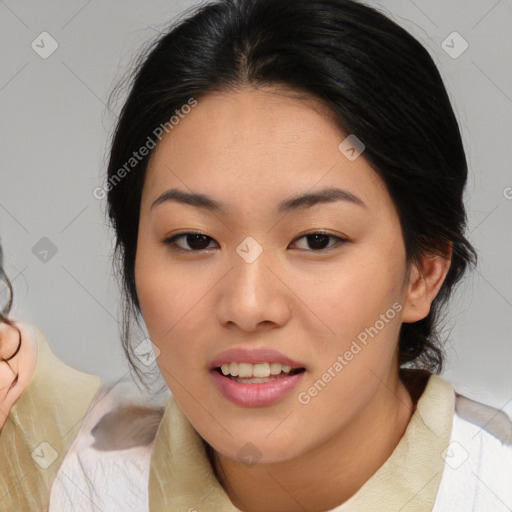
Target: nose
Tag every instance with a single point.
(254, 296)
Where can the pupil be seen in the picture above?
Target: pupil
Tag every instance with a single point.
(315, 244)
(196, 237)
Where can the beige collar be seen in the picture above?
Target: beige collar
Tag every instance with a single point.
(181, 477)
(40, 428)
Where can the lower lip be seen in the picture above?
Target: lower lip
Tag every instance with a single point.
(258, 394)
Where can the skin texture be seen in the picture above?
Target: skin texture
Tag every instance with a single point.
(20, 367)
(251, 149)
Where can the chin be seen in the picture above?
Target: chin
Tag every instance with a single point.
(259, 450)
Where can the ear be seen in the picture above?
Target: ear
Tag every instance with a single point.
(425, 280)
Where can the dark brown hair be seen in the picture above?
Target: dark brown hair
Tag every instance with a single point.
(4, 312)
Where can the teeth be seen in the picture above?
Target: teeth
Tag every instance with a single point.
(247, 370)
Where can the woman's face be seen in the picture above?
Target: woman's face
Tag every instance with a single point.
(255, 281)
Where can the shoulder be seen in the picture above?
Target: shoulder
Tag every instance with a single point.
(107, 467)
(478, 460)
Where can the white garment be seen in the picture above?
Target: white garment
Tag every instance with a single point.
(92, 480)
(477, 476)
(478, 462)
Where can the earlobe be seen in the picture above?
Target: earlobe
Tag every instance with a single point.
(425, 281)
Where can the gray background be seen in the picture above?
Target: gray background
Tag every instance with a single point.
(54, 134)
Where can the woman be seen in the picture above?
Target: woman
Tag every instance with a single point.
(42, 403)
(286, 187)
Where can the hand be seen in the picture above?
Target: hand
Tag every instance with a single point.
(17, 371)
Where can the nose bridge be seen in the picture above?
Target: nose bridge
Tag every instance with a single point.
(251, 277)
(251, 293)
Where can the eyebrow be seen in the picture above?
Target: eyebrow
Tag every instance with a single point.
(327, 195)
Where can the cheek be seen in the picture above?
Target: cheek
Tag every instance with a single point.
(170, 304)
(157, 292)
(362, 307)
(362, 312)
(356, 298)
(151, 293)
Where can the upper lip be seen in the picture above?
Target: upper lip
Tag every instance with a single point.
(253, 356)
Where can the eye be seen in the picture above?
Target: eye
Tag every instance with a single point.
(318, 239)
(198, 241)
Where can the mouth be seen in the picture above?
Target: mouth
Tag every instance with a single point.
(259, 380)
(253, 391)
(256, 376)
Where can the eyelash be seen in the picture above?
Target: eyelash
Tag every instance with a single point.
(171, 241)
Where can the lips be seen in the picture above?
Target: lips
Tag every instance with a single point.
(254, 356)
(257, 394)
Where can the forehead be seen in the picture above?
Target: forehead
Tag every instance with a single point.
(233, 120)
(256, 140)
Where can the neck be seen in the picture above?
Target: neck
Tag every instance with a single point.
(349, 459)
